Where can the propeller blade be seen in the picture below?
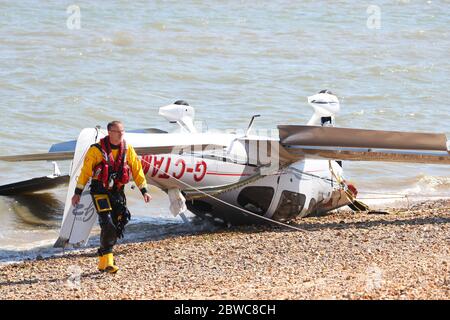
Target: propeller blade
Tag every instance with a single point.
(360, 138)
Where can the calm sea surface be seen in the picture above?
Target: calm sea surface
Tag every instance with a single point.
(66, 65)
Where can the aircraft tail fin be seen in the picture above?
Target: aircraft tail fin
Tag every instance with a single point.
(78, 221)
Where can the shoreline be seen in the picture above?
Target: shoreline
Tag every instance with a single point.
(344, 255)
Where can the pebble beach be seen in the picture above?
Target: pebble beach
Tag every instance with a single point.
(403, 253)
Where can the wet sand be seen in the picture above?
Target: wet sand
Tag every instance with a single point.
(401, 255)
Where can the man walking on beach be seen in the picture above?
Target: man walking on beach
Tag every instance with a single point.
(108, 163)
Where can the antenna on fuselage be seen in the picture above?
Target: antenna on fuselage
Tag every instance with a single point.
(251, 124)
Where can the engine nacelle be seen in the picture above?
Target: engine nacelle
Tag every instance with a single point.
(180, 112)
(326, 106)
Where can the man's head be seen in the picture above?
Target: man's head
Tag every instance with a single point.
(116, 132)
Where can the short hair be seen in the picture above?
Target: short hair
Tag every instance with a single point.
(113, 123)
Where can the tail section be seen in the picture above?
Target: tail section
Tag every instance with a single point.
(77, 222)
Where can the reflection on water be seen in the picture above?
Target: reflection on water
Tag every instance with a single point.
(37, 209)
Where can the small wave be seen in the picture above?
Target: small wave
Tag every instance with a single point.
(416, 35)
(433, 182)
(160, 26)
(122, 39)
(421, 186)
(358, 113)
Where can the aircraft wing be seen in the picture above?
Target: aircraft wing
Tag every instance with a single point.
(68, 155)
(33, 185)
(49, 156)
(364, 145)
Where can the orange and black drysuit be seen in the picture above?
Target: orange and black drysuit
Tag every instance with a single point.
(109, 167)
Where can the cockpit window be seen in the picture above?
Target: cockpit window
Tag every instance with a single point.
(256, 199)
(290, 206)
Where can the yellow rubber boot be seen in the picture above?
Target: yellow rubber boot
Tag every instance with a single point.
(110, 267)
(102, 263)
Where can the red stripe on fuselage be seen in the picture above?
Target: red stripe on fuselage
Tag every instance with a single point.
(227, 174)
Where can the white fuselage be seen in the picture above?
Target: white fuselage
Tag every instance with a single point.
(299, 189)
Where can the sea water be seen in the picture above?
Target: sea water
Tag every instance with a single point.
(66, 65)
